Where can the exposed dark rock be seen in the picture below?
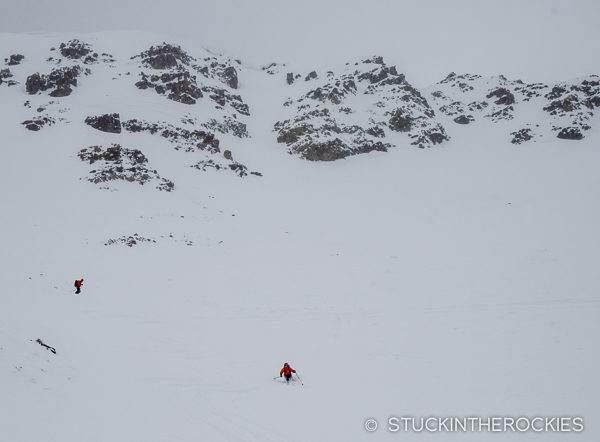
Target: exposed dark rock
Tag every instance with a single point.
(106, 123)
(239, 169)
(336, 149)
(184, 139)
(318, 134)
(78, 50)
(400, 122)
(61, 79)
(4, 74)
(311, 76)
(113, 154)
(129, 241)
(164, 56)
(35, 83)
(181, 86)
(229, 76)
(37, 123)
(570, 133)
(166, 185)
(592, 102)
(530, 91)
(222, 98)
(504, 113)
(270, 68)
(464, 119)
(383, 73)
(556, 92)
(505, 97)
(376, 132)
(118, 163)
(229, 125)
(521, 136)
(227, 155)
(14, 59)
(477, 105)
(290, 77)
(571, 105)
(568, 104)
(204, 165)
(61, 91)
(454, 108)
(437, 137)
(431, 136)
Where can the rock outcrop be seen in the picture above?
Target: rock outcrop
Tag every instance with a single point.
(110, 123)
(177, 86)
(5, 74)
(570, 133)
(78, 50)
(571, 106)
(118, 163)
(61, 80)
(189, 141)
(37, 123)
(14, 59)
(521, 136)
(179, 79)
(323, 127)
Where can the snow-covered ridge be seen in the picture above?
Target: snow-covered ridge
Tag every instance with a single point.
(350, 113)
(164, 68)
(368, 106)
(565, 110)
(357, 111)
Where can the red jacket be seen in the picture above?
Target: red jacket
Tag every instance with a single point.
(287, 370)
(79, 283)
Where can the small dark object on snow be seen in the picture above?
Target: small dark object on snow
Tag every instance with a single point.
(52, 349)
(78, 284)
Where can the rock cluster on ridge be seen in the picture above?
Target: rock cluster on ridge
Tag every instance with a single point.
(354, 112)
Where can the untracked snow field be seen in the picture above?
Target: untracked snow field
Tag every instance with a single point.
(460, 280)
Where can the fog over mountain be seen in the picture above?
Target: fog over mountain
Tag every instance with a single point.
(544, 40)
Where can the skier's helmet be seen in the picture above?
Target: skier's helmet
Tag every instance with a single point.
(286, 364)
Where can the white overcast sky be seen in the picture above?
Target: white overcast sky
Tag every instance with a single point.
(535, 39)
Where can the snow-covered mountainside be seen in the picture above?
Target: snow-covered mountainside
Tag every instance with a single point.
(436, 254)
(328, 116)
(357, 111)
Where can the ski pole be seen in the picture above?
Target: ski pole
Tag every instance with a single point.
(301, 383)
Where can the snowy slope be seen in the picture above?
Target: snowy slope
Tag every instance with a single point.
(455, 280)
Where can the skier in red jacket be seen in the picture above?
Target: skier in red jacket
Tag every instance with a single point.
(78, 284)
(287, 371)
